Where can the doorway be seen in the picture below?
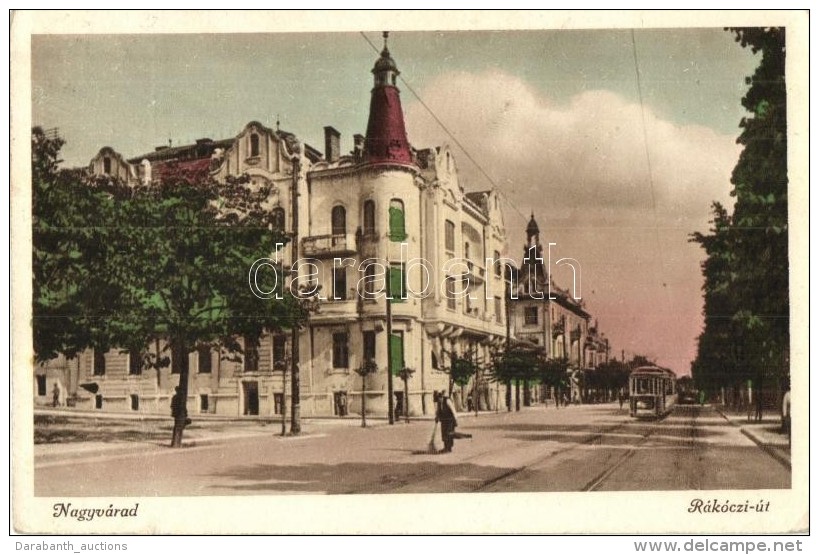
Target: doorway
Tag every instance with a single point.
(251, 398)
(399, 403)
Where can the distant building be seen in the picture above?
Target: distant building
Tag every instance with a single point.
(551, 318)
(384, 201)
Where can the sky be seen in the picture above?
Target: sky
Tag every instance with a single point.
(618, 171)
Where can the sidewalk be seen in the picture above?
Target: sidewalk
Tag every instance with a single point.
(767, 433)
(65, 434)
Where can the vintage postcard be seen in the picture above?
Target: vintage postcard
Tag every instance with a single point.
(409, 272)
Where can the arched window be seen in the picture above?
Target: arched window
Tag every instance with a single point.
(278, 218)
(254, 144)
(369, 217)
(339, 220)
(397, 228)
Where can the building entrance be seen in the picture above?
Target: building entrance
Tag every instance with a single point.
(251, 394)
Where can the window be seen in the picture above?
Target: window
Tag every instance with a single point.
(530, 315)
(278, 218)
(396, 352)
(369, 218)
(203, 359)
(134, 363)
(204, 403)
(106, 166)
(450, 294)
(340, 284)
(338, 219)
(251, 363)
(98, 401)
(99, 362)
(254, 144)
(498, 310)
(398, 285)
(279, 351)
(434, 361)
(449, 243)
(369, 345)
(340, 350)
(134, 402)
(498, 265)
(398, 230)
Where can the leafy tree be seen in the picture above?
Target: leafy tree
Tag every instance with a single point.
(168, 262)
(515, 366)
(746, 273)
(71, 297)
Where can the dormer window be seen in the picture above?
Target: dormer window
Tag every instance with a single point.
(106, 165)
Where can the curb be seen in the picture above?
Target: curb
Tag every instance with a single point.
(766, 447)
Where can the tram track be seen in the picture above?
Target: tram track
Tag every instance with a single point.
(597, 435)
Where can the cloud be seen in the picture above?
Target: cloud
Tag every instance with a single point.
(582, 167)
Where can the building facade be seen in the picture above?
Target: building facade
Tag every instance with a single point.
(384, 218)
(552, 319)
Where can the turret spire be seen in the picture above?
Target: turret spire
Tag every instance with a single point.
(386, 141)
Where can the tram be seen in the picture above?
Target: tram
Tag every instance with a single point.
(652, 392)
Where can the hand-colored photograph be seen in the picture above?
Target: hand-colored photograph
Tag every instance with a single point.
(286, 263)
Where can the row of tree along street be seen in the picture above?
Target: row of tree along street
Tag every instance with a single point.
(166, 262)
(744, 346)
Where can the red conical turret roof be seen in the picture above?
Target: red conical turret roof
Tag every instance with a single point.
(386, 141)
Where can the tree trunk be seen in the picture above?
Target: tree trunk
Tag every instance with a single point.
(406, 400)
(295, 384)
(509, 396)
(363, 401)
(517, 395)
(179, 364)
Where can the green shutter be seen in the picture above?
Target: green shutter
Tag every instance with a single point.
(397, 230)
(396, 353)
(397, 284)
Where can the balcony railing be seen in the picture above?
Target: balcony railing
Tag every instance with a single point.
(320, 246)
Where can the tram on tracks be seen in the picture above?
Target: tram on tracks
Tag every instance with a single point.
(652, 392)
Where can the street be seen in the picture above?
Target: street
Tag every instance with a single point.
(579, 448)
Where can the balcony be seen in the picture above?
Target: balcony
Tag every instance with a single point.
(476, 275)
(328, 246)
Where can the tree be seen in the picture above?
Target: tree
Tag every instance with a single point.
(518, 366)
(165, 262)
(747, 328)
(71, 297)
(553, 373)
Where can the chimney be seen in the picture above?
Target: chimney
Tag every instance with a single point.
(358, 146)
(332, 147)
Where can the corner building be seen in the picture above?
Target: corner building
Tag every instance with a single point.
(384, 215)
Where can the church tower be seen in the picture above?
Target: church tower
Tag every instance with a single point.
(386, 141)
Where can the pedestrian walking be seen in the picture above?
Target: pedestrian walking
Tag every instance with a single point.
(55, 396)
(446, 417)
(620, 398)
